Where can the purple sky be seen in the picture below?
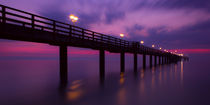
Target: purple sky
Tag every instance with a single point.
(172, 24)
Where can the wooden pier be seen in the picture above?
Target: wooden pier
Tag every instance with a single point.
(23, 26)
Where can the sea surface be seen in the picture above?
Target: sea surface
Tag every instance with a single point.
(35, 81)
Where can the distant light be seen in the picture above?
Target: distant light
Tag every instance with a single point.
(142, 42)
(175, 50)
(153, 46)
(181, 54)
(165, 50)
(122, 35)
(160, 48)
(73, 18)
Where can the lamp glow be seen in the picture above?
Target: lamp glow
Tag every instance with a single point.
(73, 18)
(142, 42)
(122, 35)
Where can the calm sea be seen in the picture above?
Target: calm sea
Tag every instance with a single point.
(26, 80)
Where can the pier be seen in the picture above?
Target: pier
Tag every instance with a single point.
(23, 26)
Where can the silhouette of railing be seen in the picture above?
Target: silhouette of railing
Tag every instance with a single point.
(29, 20)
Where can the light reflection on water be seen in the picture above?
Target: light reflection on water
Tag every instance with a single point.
(75, 92)
(38, 84)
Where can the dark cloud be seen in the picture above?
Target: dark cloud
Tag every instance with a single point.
(131, 31)
(86, 19)
(113, 15)
(174, 4)
(54, 11)
(196, 36)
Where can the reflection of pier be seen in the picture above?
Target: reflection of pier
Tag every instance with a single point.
(23, 26)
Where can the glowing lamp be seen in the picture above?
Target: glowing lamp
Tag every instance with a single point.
(122, 35)
(142, 42)
(73, 18)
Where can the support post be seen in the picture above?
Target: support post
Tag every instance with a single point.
(63, 64)
(122, 61)
(150, 57)
(102, 64)
(162, 59)
(155, 60)
(135, 57)
(159, 60)
(169, 59)
(144, 61)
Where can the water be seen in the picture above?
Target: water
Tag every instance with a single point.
(36, 82)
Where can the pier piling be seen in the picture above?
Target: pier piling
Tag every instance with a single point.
(144, 61)
(102, 63)
(135, 61)
(122, 61)
(63, 64)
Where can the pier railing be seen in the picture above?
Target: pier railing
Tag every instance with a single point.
(29, 20)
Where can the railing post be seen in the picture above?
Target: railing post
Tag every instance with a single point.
(3, 14)
(115, 41)
(124, 44)
(70, 30)
(32, 21)
(54, 26)
(101, 38)
(120, 44)
(93, 35)
(54, 32)
(83, 33)
(108, 41)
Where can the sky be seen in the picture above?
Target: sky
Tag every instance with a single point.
(171, 24)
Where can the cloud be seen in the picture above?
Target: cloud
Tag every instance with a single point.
(173, 4)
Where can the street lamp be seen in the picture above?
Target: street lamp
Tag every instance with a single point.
(160, 48)
(153, 46)
(73, 18)
(142, 42)
(122, 35)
